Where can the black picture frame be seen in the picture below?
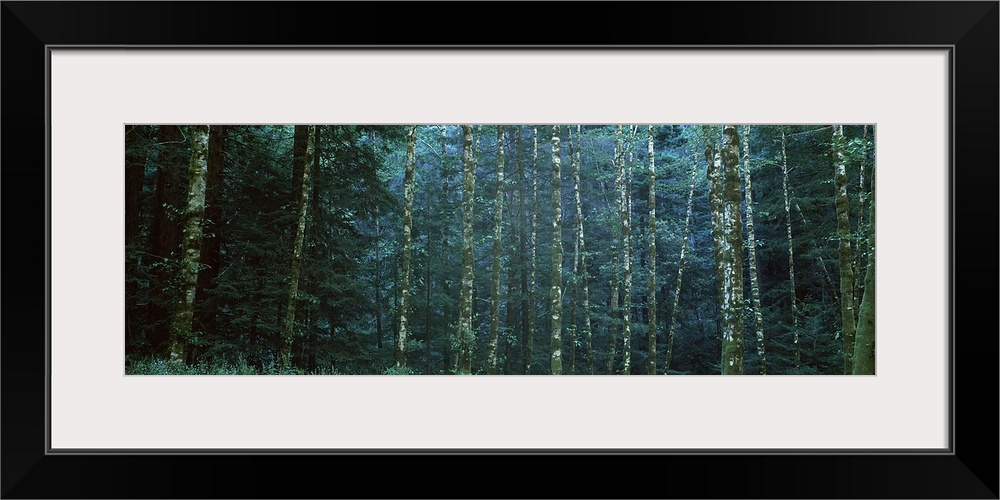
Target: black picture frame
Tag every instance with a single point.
(968, 470)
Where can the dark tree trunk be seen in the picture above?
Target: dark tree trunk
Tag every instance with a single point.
(211, 242)
(135, 167)
(299, 140)
(165, 232)
(300, 232)
(314, 252)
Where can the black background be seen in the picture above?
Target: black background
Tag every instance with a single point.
(972, 472)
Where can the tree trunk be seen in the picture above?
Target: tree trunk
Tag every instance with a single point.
(300, 233)
(513, 284)
(844, 233)
(791, 255)
(491, 348)
(135, 169)
(311, 363)
(165, 233)
(861, 250)
(211, 244)
(680, 267)
(299, 139)
(615, 298)
(314, 257)
(716, 204)
(626, 196)
(587, 331)
(758, 319)
(513, 301)
(184, 310)
(445, 231)
(579, 260)
(395, 300)
(557, 257)
(575, 277)
(651, 279)
(404, 321)
(864, 347)
(732, 316)
(465, 335)
(619, 166)
(135, 166)
(574, 303)
(529, 342)
(526, 323)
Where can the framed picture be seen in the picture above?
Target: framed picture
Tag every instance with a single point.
(922, 75)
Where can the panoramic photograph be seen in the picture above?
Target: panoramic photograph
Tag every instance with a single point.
(500, 249)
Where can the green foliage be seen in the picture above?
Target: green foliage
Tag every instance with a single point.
(392, 370)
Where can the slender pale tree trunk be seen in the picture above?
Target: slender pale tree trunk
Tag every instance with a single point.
(465, 302)
(557, 257)
(619, 165)
(300, 236)
(615, 300)
(525, 322)
(513, 302)
(864, 347)
(844, 232)
(395, 299)
(732, 339)
(529, 342)
(791, 254)
(627, 260)
(651, 280)
(587, 332)
(445, 232)
(680, 265)
(572, 332)
(191, 246)
(491, 348)
(758, 319)
(716, 204)
(861, 250)
(404, 320)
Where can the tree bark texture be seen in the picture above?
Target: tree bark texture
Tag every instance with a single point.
(300, 234)
(191, 248)
(408, 192)
(491, 348)
(557, 257)
(844, 233)
(758, 319)
(732, 317)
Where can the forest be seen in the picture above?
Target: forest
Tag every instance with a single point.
(499, 249)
